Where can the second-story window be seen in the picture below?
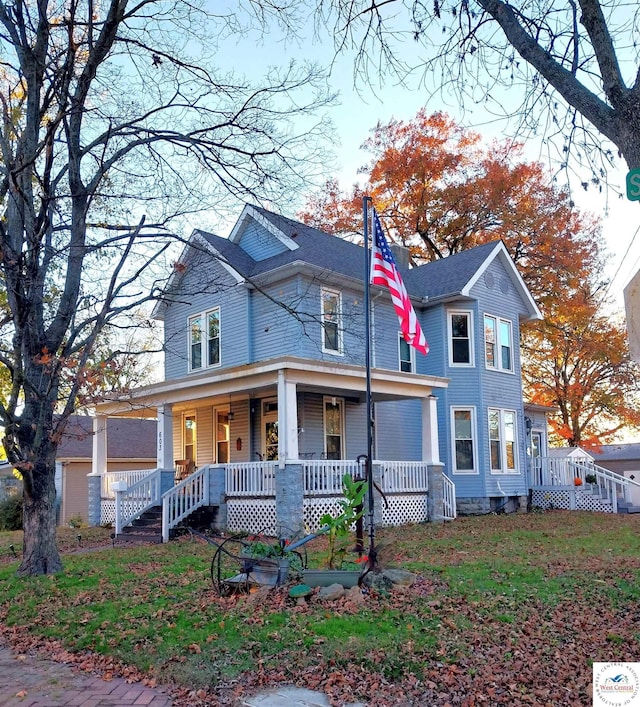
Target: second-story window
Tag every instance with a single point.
(204, 340)
(331, 321)
(460, 339)
(498, 343)
(405, 355)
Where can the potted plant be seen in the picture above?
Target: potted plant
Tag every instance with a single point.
(338, 528)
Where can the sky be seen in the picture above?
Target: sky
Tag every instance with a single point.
(361, 107)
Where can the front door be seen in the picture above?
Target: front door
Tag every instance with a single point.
(270, 429)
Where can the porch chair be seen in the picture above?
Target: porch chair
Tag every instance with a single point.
(182, 468)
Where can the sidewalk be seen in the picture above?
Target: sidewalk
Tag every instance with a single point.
(28, 681)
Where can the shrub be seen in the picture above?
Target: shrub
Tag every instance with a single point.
(11, 513)
(76, 521)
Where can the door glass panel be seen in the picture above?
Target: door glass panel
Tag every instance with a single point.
(271, 439)
(190, 439)
(333, 428)
(222, 437)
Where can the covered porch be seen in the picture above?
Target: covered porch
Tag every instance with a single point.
(268, 445)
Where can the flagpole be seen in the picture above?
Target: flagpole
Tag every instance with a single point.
(366, 201)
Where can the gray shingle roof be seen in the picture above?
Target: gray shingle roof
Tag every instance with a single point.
(617, 452)
(441, 278)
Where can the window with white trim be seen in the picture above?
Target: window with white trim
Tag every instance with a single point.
(331, 321)
(204, 340)
(406, 355)
(460, 338)
(498, 346)
(503, 441)
(463, 424)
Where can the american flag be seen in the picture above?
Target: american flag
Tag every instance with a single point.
(384, 271)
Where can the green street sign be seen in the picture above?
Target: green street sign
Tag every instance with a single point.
(633, 185)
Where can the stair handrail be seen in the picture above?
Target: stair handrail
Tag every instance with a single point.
(183, 499)
(132, 501)
(611, 481)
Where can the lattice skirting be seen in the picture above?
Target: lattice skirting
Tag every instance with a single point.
(405, 508)
(107, 511)
(252, 515)
(567, 499)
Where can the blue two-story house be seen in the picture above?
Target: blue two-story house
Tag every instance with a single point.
(263, 409)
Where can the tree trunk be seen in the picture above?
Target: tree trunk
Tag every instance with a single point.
(40, 554)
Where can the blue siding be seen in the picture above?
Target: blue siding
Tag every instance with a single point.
(398, 430)
(196, 295)
(260, 243)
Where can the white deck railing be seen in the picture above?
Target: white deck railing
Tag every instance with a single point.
(130, 477)
(404, 477)
(550, 471)
(323, 477)
(183, 499)
(449, 498)
(251, 479)
(132, 502)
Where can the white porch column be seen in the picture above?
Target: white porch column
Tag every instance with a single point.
(99, 452)
(287, 420)
(430, 447)
(165, 459)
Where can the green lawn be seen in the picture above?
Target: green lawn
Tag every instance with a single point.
(506, 608)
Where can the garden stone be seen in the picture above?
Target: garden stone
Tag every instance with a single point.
(377, 581)
(400, 577)
(355, 595)
(299, 591)
(331, 593)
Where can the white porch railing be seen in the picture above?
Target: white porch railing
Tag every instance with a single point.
(404, 477)
(184, 498)
(130, 477)
(449, 498)
(323, 477)
(132, 502)
(251, 479)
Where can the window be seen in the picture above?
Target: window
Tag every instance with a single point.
(497, 343)
(464, 423)
(204, 339)
(405, 355)
(331, 321)
(502, 441)
(460, 339)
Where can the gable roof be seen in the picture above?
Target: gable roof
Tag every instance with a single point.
(127, 438)
(307, 247)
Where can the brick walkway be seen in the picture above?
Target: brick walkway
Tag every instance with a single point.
(27, 681)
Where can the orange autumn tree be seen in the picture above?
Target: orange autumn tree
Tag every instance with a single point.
(440, 190)
(577, 360)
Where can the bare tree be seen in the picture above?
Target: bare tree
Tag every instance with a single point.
(575, 64)
(112, 132)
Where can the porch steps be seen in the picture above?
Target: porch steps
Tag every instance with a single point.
(146, 529)
(627, 507)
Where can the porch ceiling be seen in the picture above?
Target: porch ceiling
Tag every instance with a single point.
(258, 379)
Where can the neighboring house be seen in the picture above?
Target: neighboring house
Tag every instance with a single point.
(265, 385)
(622, 459)
(132, 446)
